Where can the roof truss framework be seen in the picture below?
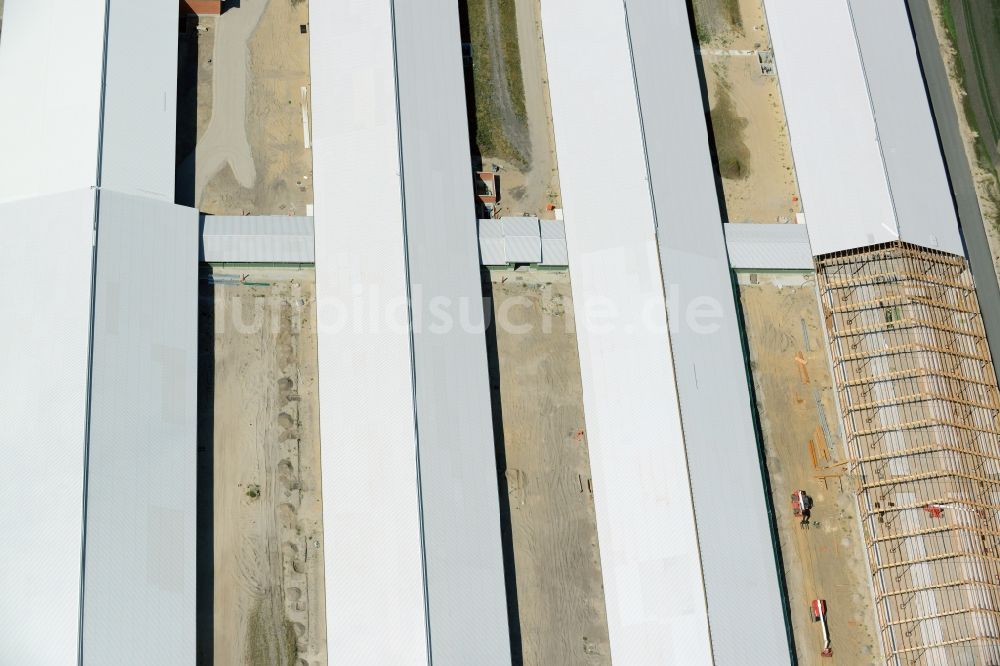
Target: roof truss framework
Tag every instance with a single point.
(921, 411)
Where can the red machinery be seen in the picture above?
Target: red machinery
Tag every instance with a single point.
(818, 608)
(802, 506)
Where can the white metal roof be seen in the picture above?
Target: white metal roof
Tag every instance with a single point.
(654, 593)
(140, 104)
(51, 69)
(706, 343)
(554, 251)
(492, 249)
(769, 246)
(466, 596)
(522, 240)
(866, 153)
(44, 344)
(139, 584)
(50, 73)
(374, 572)
(257, 239)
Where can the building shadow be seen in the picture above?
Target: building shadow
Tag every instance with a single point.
(470, 85)
(205, 518)
(187, 110)
(503, 492)
(706, 103)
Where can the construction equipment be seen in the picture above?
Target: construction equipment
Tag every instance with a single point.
(818, 608)
(802, 506)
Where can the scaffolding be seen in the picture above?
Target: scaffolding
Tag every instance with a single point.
(921, 412)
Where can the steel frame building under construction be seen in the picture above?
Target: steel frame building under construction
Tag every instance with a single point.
(921, 410)
(913, 373)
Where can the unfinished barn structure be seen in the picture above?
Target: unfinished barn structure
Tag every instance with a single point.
(917, 387)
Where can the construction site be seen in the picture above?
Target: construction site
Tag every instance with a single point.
(517, 364)
(919, 403)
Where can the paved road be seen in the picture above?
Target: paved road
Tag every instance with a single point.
(969, 216)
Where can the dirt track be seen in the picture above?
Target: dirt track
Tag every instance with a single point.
(560, 595)
(247, 92)
(765, 189)
(512, 124)
(268, 543)
(799, 419)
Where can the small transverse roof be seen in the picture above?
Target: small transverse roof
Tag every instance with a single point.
(522, 240)
(866, 153)
(279, 239)
(769, 246)
(554, 252)
(492, 249)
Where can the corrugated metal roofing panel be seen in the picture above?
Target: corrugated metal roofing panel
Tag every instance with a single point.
(918, 182)
(554, 252)
(258, 239)
(769, 246)
(492, 252)
(374, 571)
(707, 350)
(523, 249)
(552, 229)
(466, 599)
(654, 589)
(46, 256)
(141, 490)
(520, 226)
(140, 102)
(50, 68)
(490, 228)
(866, 155)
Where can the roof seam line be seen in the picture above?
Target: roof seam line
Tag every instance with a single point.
(409, 318)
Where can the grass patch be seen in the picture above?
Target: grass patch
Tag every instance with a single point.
(733, 14)
(983, 159)
(982, 152)
(716, 16)
(728, 126)
(266, 643)
(490, 138)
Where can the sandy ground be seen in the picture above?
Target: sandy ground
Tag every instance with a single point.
(252, 154)
(985, 181)
(560, 595)
(530, 191)
(225, 140)
(269, 597)
(796, 403)
(769, 192)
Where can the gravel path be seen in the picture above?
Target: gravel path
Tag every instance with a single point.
(513, 126)
(225, 140)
